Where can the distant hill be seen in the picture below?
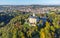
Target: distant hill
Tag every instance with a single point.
(30, 5)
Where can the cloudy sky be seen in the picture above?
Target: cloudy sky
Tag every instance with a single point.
(29, 2)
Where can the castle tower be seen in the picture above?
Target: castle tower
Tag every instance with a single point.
(33, 14)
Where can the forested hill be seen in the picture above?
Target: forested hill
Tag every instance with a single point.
(18, 27)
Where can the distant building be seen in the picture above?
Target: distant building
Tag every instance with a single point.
(33, 20)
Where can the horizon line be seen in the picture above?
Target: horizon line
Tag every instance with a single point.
(30, 4)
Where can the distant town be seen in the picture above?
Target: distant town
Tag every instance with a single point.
(30, 8)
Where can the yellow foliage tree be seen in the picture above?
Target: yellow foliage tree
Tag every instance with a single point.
(42, 33)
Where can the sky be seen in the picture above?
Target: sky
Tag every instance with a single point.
(29, 2)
